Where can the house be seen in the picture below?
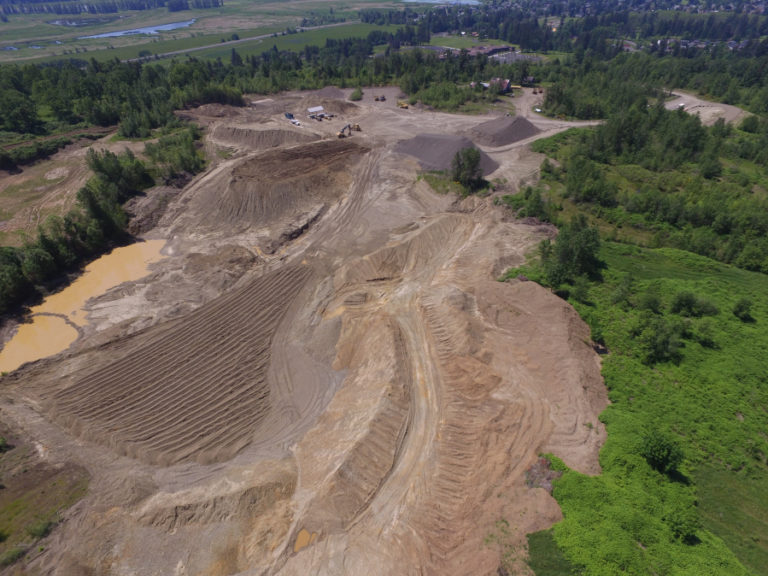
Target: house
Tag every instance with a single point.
(504, 85)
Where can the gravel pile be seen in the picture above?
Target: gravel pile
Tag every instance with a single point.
(436, 151)
(503, 131)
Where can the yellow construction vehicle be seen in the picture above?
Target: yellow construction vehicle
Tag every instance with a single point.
(402, 104)
(348, 128)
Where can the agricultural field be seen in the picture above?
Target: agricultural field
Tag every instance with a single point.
(47, 37)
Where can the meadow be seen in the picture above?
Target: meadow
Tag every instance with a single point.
(706, 398)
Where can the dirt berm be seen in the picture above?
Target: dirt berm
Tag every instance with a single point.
(324, 375)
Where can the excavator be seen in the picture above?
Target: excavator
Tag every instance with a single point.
(349, 128)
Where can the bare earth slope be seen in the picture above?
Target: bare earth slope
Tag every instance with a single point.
(323, 376)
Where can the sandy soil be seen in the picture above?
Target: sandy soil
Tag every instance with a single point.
(323, 376)
(709, 112)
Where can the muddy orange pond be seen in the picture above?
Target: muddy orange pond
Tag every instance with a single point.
(53, 326)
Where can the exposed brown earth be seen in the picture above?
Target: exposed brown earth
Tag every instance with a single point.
(324, 375)
(709, 112)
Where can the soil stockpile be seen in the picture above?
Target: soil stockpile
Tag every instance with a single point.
(330, 105)
(503, 131)
(245, 137)
(436, 151)
(191, 389)
(329, 92)
(275, 186)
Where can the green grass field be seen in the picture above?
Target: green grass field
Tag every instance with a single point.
(709, 517)
(39, 40)
(697, 379)
(294, 42)
(465, 42)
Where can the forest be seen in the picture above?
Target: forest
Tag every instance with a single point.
(75, 7)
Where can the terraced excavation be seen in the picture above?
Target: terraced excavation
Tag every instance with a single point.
(323, 375)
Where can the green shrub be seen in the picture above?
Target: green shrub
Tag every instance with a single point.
(743, 310)
(683, 519)
(357, 94)
(465, 169)
(11, 555)
(40, 529)
(658, 339)
(661, 452)
(650, 300)
(688, 304)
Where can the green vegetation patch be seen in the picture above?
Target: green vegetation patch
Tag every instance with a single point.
(545, 557)
(732, 506)
(33, 497)
(441, 182)
(685, 463)
(660, 178)
(294, 42)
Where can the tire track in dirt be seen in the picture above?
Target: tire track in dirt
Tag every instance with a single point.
(342, 217)
(190, 389)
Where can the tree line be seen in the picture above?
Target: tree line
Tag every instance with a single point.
(73, 7)
(98, 220)
(663, 172)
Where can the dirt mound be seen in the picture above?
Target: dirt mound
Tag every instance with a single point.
(332, 105)
(329, 92)
(503, 131)
(436, 151)
(191, 389)
(255, 139)
(271, 189)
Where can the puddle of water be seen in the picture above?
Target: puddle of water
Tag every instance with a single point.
(121, 265)
(45, 336)
(48, 335)
(304, 539)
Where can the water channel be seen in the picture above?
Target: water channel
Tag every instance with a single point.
(55, 322)
(145, 30)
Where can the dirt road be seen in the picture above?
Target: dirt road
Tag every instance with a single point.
(708, 111)
(323, 376)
